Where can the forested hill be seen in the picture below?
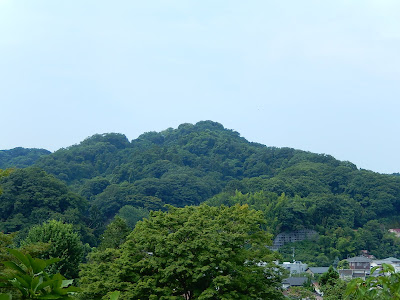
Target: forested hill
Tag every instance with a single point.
(204, 149)
(194, 163)
(20, 157)
(179, 166)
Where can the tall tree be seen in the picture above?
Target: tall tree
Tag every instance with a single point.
(200, 252)
(64, 244)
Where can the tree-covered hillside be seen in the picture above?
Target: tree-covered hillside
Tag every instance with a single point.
(20, 157)
(192, 163)
(31, 196)
(206, 162)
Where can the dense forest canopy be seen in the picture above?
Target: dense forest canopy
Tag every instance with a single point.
(106, 175)
(20, 157)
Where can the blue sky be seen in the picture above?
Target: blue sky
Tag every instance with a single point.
(322, 76)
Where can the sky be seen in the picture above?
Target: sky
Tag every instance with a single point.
(320, 76)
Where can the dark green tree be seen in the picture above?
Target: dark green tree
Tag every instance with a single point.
(329, 277)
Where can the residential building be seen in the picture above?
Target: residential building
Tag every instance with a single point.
(295, 267)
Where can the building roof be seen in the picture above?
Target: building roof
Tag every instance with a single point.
(295, 281)
(391, 259)
(319, 270)
(359, 259)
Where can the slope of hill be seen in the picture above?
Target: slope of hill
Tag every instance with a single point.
(31, 196)
(193, 163)
(179, 166)
(20, 157)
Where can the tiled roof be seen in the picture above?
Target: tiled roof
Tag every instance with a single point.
(359, 259)
(295, 281)
(391, 259)
(319, 270)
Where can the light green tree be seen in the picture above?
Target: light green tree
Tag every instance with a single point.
(197, 252)
(64, 244)
(115, 234)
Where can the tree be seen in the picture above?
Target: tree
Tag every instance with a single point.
(199, 252)
(343, 264)
(297, 293)
(31, 196)
(64, 244)
(329, 277)
(133, 214)
(331, 285)
(115, 234)
(336, 291)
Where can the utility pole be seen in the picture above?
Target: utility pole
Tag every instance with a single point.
(293, 254)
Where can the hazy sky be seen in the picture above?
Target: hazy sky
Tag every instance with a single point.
(322, 76)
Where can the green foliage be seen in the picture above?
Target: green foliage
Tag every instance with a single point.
(332, 287)
(329, 278)
(299, 293)
(20, 157)
(386, 285)
(64, 244)
(115, 295)
(132, 214)
(31, 196)
(4, 173)
(335, 291)
(115, 234)
(101, 274)
(201, 252)
(343, 264)
(116, 196)
(5, 297)
(5, 241)
(193, 163)
(28, 276)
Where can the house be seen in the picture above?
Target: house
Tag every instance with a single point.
(390, 261)
(359, 263)
(293, 281)
(295, 267)
(348, 274)
(359, 268)
(345, 274)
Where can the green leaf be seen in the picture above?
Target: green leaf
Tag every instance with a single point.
(14, 266)
(35, 283)
(374, 269)
(21, 257)
(18, 285)
(45, 284)
(52, 261)
(114, 295)
(50, 296)
(38, 265)
(5, 297)
(23, 280)
(66, 283)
